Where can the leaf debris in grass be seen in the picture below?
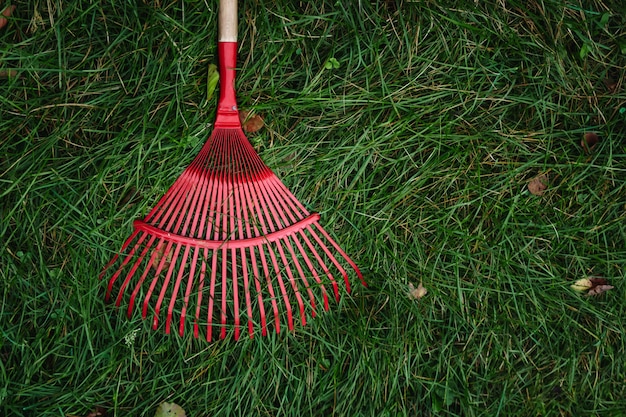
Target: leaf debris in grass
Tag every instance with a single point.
(582, 284)
(97, 412)
(213, 78)
(131, 197)
(5, 14)
(250, 124)
(417, 293)
(158, 256)
(598, 286)
(611, 84)
(170, 410)
(538, 185)
(10, 73)
(599, 289)
(589, 141)
(593, 285)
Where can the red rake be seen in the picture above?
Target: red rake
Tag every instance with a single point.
(228, 235)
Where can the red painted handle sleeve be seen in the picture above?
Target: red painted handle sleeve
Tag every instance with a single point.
(227, 112)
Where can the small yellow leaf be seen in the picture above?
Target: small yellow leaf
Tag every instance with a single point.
(582, 284)
(170, 410)
(417, 293)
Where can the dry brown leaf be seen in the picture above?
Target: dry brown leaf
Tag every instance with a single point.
(97, 412)
(598, 281)
(131, 197)
(6, 13)
(599, 289)
(10, 73)
(610, 84)
(158, 256)
(417, 293)
(599, 285)
(538, 185)
(589, 141)
(250, 123)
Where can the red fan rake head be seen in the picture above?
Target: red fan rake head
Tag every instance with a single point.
(228, 244)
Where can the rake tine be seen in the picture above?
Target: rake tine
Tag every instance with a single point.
(224, 293)
(146, 271)
(124, 263)
(211, 297)
(257, 285)
(179, 278)
(320, 262)
(270, 289)
(196, 324)
(155, 280)
(308, 263)
(189, 287)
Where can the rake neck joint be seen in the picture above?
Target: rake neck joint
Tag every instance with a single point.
(227, 111)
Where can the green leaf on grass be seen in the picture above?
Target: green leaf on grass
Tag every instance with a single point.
(604, 20)
(213, 78)
(584, 50)
(332, 63)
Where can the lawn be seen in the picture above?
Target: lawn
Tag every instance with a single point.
(413, 127)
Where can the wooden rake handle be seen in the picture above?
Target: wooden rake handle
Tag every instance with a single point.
(228, 21)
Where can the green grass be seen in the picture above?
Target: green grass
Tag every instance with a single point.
(416, 151)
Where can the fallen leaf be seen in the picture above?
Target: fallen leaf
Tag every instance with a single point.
(593, 285)
(213, 78)
(417, 293)
(610, 84)
(589, 141)
(598, 281)
(538, 185)
(599, 289)
(97, 412)
(332, 63)
(158, 256)
(170, 410)
(582, 284)
(9, 73)
(250, 124)
(6, 13)
(131, 197)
